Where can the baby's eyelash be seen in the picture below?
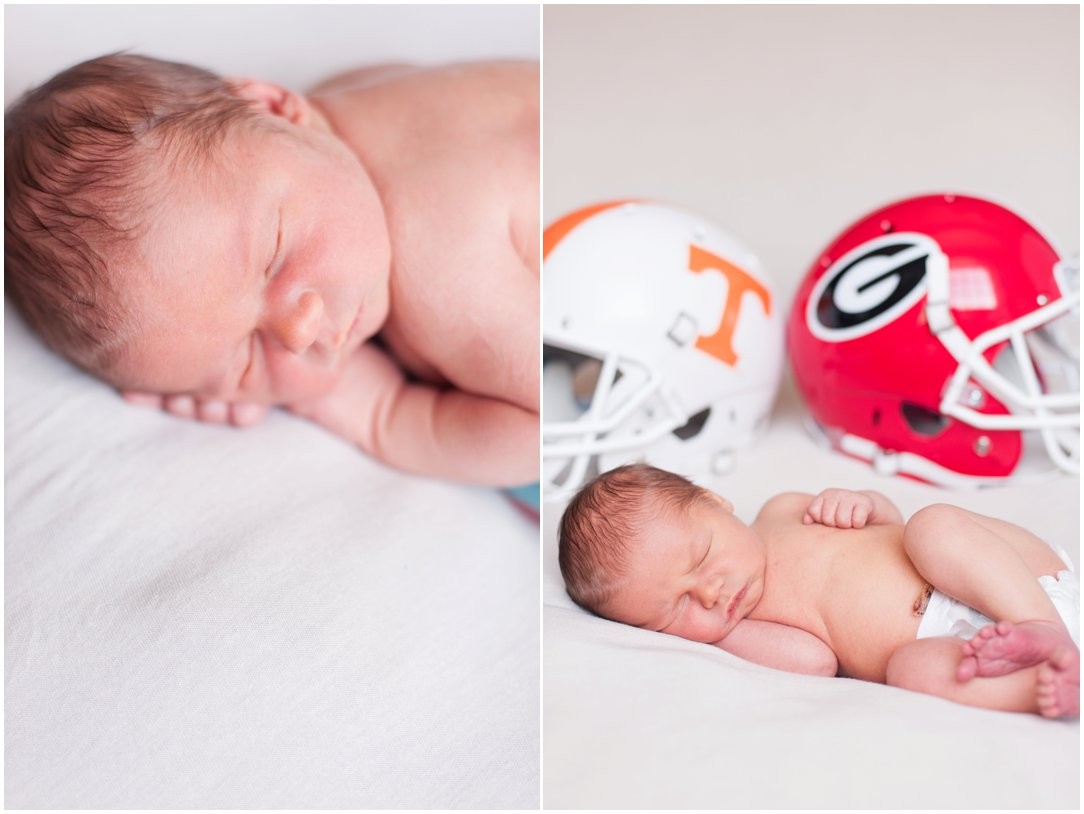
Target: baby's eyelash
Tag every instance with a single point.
(278, 247)
(251, 360)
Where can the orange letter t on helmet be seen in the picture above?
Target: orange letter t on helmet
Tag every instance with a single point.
(720, 344)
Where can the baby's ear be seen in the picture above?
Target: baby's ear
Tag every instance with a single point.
(275, 99)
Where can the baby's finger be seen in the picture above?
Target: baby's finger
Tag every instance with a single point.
(828, 513)
(843, 514)
(180, 406)
(860, 516)
(245, 414)
(213, 411)
(153, 400)
(814, 510)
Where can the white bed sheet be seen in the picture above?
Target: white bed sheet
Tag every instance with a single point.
(201, 617)
(637, 719)
(198, 617)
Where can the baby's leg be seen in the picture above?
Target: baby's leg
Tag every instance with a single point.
(986, 563)
(929, 666)
(992, 566)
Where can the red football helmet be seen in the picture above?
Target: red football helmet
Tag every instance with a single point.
(938, 337)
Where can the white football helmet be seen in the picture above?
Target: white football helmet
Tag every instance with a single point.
(662, 342)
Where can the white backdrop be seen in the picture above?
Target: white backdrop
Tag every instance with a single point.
(294, 45)
(786, 123)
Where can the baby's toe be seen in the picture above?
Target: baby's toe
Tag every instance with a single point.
(967, 669)
(985, 634)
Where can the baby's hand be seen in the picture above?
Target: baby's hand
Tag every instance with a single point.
(840, 508)
(211, 411)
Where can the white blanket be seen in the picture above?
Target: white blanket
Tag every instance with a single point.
(200, 617)
(634, 718)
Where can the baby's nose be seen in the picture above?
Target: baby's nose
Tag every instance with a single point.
(297, 326)
(707, 591)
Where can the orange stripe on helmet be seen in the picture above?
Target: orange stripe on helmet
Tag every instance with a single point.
(557, 230)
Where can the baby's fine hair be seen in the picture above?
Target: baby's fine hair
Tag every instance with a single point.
(77, 151)
(602, 521)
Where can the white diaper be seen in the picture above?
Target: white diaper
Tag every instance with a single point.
(946, 616)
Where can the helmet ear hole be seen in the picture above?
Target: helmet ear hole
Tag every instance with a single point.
(922, 420)
(692, 427)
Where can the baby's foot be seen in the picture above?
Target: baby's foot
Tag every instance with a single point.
(1005, 647)
(1057, 690)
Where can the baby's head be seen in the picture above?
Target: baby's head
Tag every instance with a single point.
(172, 231)
(649, 548)
(605, 521)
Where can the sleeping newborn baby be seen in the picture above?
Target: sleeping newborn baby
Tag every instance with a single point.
(366, 254)
(951, 603)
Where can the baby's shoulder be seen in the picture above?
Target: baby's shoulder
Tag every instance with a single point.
(364, 77)
(785, 505)
(432, 91)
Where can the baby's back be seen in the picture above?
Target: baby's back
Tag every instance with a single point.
(854, 588)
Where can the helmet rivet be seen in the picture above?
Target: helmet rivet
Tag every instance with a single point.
(1042, 299)
(950, 199)
(886, 226)
(975, 398)
(982, 446)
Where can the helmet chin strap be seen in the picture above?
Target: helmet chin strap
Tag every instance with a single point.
(887, 463)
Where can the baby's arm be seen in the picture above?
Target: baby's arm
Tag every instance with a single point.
(780, 646)
(845, 509)
(424, 429)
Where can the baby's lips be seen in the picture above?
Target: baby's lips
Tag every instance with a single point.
(735, 601)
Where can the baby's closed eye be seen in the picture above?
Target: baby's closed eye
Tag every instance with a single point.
(253, 341)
